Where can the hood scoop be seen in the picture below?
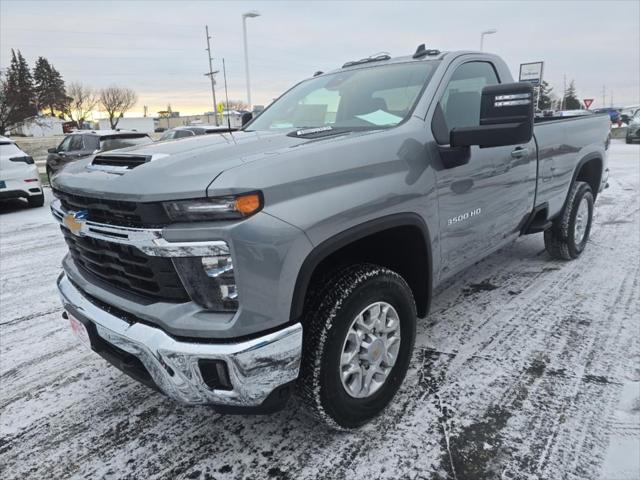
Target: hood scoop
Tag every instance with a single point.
(117, 163)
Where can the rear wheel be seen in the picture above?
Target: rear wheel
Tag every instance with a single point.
(35, 201)
(628, 140)
(358, 340)
(568, 236)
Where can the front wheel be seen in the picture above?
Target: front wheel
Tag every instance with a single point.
(358, 341)
(568, 236)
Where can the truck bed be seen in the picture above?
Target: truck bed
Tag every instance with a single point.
(562, 142)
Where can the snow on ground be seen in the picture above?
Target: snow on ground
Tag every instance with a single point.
(526, 368)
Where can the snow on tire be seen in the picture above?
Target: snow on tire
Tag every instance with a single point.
(330, 316)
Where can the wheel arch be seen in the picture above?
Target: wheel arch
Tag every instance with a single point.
(362, 244)
(590, 170)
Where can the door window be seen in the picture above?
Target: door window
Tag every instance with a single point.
(64, 146)
(460, 103)
(91, 143)
(76, 143)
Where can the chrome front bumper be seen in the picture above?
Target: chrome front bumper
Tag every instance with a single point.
(256, 367)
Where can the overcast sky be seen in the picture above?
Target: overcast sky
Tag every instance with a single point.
(157, 47)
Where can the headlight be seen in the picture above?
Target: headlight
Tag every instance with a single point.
(217, 208)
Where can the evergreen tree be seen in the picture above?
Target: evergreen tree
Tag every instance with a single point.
(5, 108)
(571, 101)
(20, 91)
(545, 102)
(49, 86)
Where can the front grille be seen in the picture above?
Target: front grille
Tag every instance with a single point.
(116, 212)
(128, 161)
(125, 267)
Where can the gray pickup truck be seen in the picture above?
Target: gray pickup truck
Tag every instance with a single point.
(295, 255)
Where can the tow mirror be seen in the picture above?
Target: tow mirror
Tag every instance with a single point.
(246, 118)
(52, 150)
(506, 118)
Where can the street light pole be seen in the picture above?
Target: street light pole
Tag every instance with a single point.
(210, 75)
(251, 14)
(486, 32)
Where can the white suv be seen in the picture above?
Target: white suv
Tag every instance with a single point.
(19, 175)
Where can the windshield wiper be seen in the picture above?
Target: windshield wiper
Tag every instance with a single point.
(316, 132)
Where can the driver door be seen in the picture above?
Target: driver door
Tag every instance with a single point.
(468, 196)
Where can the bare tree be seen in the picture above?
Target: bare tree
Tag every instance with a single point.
(236, 105)
(82, 100)
(116, 101)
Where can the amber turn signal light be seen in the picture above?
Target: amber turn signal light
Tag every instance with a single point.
(248, 204)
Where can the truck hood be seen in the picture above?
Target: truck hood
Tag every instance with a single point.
(177, 169)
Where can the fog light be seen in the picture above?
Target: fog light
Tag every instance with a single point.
(209, 281)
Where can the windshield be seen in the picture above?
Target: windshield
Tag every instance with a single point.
(365, 98)
(113, 143)
(173, 134)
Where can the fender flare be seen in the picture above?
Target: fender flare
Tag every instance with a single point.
(587, 158)
(352, 234)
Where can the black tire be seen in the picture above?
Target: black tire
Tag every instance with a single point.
(560, 239)
(628, 140)
(328, 317)
(35, 201)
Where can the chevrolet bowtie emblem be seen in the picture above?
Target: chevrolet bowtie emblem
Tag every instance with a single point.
(75, 220)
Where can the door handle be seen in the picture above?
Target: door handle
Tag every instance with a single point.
(519, 152)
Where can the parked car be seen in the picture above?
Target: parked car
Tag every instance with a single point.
(614, 114)
(194, 130)
(627, 113)
(19, 175)
(298, 257)
(83, 143)
(633, 128)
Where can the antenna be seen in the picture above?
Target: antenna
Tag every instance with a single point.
(226, 95)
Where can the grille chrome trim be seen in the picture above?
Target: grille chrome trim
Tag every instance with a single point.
(149, 241)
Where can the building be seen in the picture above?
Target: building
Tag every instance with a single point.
(38, 126)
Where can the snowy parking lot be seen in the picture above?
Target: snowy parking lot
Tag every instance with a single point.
(526, 368)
